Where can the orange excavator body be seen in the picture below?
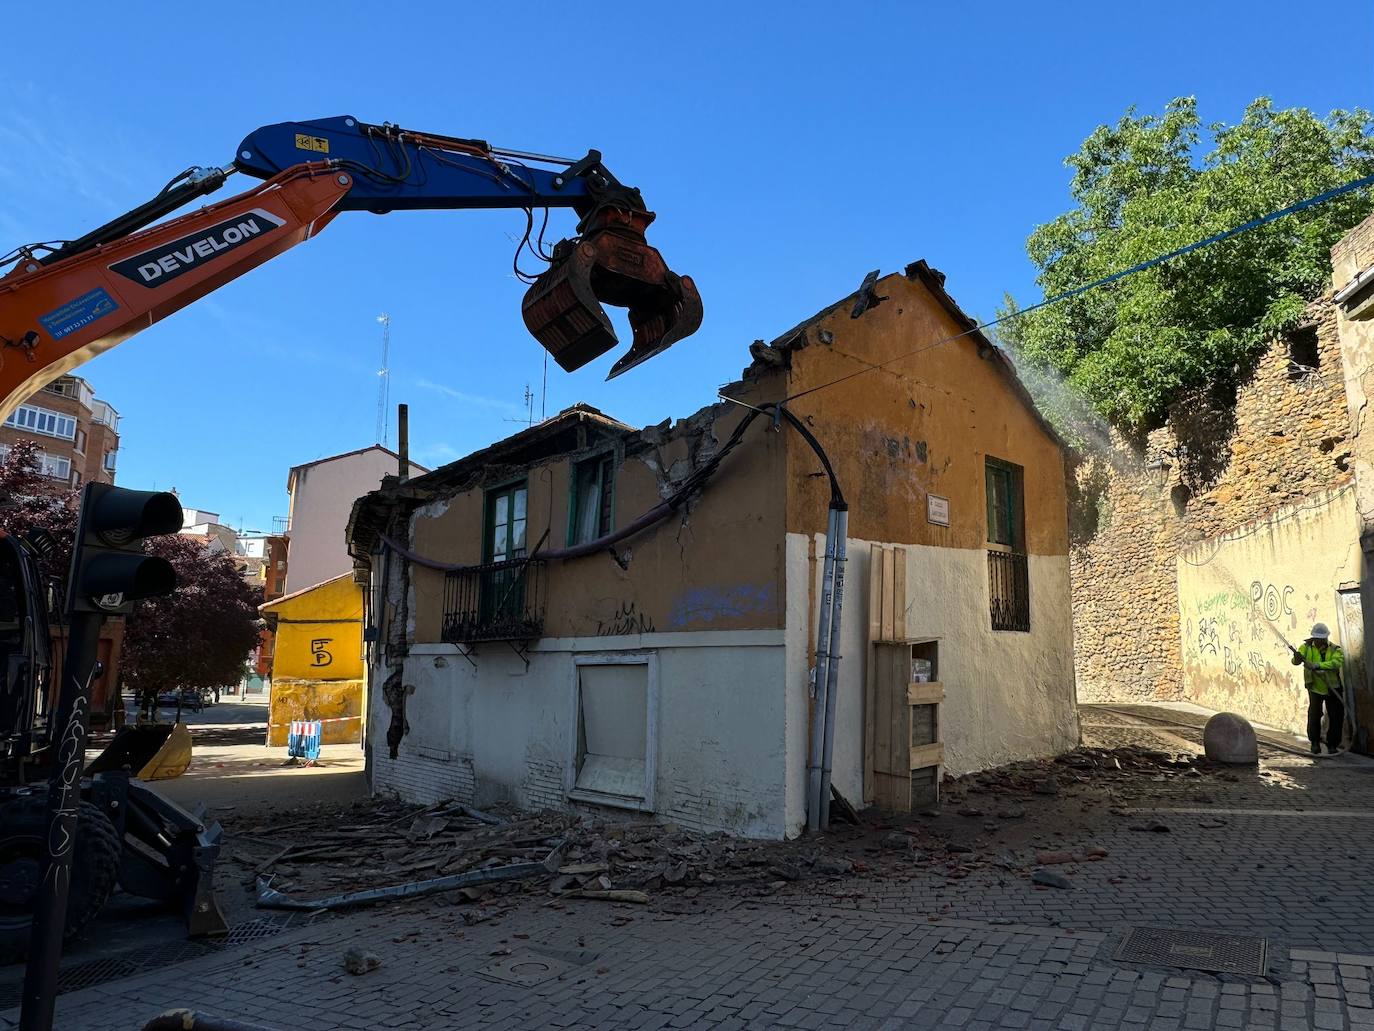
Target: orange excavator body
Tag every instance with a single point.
(54, 317)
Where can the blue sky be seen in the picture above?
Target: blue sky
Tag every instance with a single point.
(788, 148)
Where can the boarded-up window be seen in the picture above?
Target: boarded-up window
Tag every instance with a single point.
(614, 759)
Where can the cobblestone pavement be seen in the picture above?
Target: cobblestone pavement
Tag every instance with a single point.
(1277, 856)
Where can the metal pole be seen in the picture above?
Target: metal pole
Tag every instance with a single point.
(832, 686)
(79, 669)
(818, 682)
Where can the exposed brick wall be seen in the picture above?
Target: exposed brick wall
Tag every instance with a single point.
(1289, 440)
(421, 779)
(544, 785)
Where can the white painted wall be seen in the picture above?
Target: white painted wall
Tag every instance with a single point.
(321, 499)
(732, 705)
(1008, 695)
(499, 731)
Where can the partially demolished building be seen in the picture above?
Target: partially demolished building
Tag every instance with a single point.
(586, 613)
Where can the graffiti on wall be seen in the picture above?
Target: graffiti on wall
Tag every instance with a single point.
(1271, 602)
(627, 619)
(1207, 636)
(721, 604)
(1230, 632)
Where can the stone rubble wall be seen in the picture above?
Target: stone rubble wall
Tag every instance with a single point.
(1289, 440)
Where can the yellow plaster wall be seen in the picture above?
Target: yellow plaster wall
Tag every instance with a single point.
(923, 424)
(317, 669)
(1241, 593)
(339, 703)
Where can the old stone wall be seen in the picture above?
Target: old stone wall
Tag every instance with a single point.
(1214, 467)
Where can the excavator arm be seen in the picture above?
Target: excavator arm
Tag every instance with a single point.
(62, 307)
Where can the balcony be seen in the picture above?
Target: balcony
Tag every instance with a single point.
(499, 601)
(281, 525)
(1009, 591)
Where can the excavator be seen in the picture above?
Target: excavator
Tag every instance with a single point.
(63, 302)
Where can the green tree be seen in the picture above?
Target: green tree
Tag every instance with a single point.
(1144, 187)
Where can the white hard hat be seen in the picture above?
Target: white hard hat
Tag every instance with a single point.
(1320, 631)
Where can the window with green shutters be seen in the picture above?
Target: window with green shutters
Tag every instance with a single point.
(506, 522)
(592, 502)
(502, 589)
(1008, 566)
(1005, 504)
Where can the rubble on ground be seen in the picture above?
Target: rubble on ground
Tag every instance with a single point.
(987, 822)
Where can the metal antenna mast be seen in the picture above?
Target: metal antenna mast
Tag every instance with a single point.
(384, 379)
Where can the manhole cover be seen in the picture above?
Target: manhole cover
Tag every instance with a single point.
(526, 968)
(1194, 950)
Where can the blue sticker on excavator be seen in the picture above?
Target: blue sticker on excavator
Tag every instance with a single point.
(78, 313)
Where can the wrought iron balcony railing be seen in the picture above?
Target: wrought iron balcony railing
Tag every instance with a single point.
(498, 601)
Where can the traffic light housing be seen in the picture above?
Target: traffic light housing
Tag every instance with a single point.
(110, 570)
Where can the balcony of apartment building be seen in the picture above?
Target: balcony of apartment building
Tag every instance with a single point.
(104, 415)
(42, 422)
(73, 387)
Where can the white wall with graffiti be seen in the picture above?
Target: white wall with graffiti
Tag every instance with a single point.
(1243, 594)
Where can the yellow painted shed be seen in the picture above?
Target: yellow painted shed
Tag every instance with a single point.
(317, 669)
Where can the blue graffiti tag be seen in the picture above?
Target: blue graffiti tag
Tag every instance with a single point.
(709, 604)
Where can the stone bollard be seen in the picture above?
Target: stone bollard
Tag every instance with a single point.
(1229, 738)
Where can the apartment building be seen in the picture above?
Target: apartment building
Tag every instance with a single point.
(321, 496)
(78, 434)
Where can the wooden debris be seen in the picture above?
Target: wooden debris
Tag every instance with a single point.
(612, 895)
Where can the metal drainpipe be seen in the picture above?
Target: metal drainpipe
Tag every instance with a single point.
(832, 690)
(821, 679)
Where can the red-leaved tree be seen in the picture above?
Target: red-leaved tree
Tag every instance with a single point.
(31, 501)
(199, 636)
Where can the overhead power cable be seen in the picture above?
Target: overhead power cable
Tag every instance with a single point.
(1226, 234)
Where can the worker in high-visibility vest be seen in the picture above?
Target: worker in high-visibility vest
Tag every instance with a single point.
(1321, 663)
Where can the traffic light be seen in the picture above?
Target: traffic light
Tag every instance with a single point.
(110, 570)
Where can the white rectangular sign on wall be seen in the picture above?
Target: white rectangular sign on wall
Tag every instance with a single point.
(937, 510)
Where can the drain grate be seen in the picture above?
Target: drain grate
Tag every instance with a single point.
(153, 957)
(1194, 950)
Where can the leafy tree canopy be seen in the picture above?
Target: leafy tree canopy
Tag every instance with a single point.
(29, 501)
(1144, 187)
(199, 636)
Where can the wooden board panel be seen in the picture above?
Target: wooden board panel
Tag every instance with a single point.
(882, 737)
(870, 722)
(870, 673)
(927, 755)
(925, 694)
(925, 787)
(901, 712)
(898, 594)
(922, 725)
(875, 592)
(889, 631)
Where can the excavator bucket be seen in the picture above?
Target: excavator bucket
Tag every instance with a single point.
(150, 751)
(610, 263)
